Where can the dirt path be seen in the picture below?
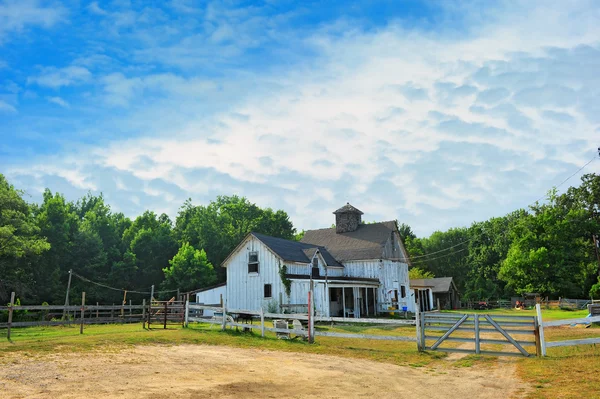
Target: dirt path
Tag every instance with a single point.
(192, 371)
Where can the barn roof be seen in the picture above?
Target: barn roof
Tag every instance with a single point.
(366, 242)
(438, 285)
(295, 251)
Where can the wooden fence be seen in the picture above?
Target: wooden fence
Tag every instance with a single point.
(302, 325)
(57, 315)
(555, 323)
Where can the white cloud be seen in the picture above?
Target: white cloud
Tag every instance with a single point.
(59, 101)
(16, 15)
(94, 8)
(435, 130)
(6, 107)
(58, 77)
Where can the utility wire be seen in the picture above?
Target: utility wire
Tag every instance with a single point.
(87, 280)
(473, 238)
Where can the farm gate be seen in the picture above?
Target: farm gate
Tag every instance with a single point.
(166, 312)
(473, 331)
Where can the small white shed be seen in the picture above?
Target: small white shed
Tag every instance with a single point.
(211, 296)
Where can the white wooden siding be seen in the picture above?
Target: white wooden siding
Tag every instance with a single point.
(211, 297)
(246, 290)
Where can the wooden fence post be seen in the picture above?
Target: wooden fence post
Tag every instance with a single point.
(10, 315)
(112, 312)
(165, 318)
(262, 322)
(130, 307)
(477, 345)
(97, 309)
(144, 313)
(540, 327)
(187, 311)
(82, 310)
(223, 325)
(418, 328)
(311, 316)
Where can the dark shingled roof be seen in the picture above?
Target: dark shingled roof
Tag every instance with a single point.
(348, 209)
(295, 251)
(366, 242)
(438, 285)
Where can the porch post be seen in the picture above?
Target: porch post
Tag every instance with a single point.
(367, 300)
(375, 300)
(344, 302)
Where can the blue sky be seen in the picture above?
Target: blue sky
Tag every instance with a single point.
(435, 113)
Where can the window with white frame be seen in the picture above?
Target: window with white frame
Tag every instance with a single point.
(253, 262)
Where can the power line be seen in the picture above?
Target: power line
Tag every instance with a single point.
(87, 280)
(473, 238)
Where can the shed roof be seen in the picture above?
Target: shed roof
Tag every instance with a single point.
(438, 284)
(295, 251)
(366, 242)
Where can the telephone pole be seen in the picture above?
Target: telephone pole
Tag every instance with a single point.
(67, 296)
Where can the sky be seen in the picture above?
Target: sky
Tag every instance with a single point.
(434, 113)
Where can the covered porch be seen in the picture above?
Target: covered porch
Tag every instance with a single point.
(352, 300)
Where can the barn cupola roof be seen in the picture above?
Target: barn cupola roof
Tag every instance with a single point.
(347, 219)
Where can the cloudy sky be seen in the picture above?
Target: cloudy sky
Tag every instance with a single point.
(434, 113)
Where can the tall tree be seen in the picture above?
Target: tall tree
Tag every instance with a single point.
(223, 223)
(20, 241)
(188, 270)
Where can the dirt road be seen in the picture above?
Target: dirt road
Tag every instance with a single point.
(193, 371)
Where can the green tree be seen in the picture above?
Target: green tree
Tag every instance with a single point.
(20, 242)
(549, 252)
(220, 226)
(418, 273)
(188, 270)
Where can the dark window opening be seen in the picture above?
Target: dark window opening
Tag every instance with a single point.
(268, 291)
(253, 262)
(403, 291)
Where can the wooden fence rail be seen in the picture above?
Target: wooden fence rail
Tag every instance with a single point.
(264, 317)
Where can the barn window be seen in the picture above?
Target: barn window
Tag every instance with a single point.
(315, 262)
(268, 291)
(403, 291)
(253, 262)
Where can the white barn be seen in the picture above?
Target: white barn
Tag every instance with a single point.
(357, 269)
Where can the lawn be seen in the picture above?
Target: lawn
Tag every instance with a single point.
(567, 372)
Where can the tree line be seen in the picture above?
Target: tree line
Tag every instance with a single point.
(547, 248)
(40, 243)
(550, 248)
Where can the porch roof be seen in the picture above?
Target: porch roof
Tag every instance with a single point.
(345, 280)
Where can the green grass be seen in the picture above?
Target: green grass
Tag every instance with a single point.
(568, 372)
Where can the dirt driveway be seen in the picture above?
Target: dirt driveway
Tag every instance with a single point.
(197, 371)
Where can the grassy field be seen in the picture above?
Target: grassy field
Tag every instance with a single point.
(567, 372)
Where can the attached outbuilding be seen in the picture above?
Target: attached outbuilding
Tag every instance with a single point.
(443, 290)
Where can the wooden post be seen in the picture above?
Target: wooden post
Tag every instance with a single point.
(224, 324)
(130, 307)
(10, 315)
(97, 309)
(477, 345)
(112, 312)
(343, 302)
(262, 322)
(418, 329)
(540, 335)
(280, 302)
(67, 296)
(438, 305)
(151, 294)
(375, 300)
(187, 311)
(165, 317)
(221, 299)
(311, 313)
(178, 298)
(144, 313)
(367, 300)
(82, 312)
